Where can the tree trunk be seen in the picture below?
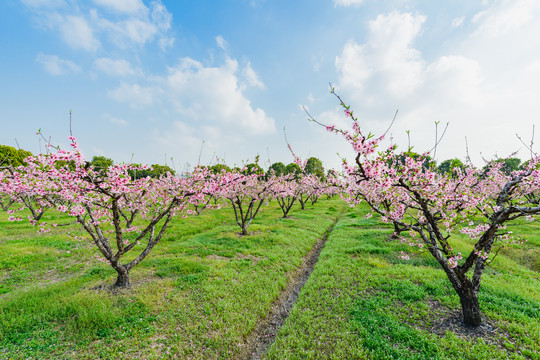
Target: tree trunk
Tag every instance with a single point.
(470, 306)
(122, 281)
(397, 231)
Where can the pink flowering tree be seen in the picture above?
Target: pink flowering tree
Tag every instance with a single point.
(432, 207)
(10, 194)
(285, 190)
(6, 199)
(306, 186)
(125, 218)
(246, 192)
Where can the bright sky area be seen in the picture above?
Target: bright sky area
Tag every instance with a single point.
(153, 80)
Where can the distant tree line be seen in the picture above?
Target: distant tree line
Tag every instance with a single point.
(10, 156)
(508, 165)
(313, 166)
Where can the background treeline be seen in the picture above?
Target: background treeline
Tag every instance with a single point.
(10, 156)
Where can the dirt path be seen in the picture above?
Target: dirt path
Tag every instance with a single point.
(265, 333)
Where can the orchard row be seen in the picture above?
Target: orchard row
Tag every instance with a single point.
(123, 213)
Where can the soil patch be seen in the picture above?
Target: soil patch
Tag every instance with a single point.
(452, 320)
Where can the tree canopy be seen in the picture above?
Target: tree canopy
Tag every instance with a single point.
(101, 163)
(315, 166)
(448, 166)
(9, 156)
(293, 168)
(278, 168)
(155, 172)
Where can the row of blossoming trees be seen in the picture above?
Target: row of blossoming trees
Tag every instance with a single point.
(478, 202)
(125, 214)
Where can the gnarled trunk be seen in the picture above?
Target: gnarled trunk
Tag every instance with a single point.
(122, 281)
(470, 306)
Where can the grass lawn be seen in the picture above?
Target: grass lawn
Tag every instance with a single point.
(363, 302)
(196, 296)
(204, 288)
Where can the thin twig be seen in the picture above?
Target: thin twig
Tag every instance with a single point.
(442, 135)
(529, 147)
(467, 156)
(391, 124)
(200, 153)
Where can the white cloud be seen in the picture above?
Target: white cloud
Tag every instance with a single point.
(221, 43)
(138, 29)
(486, 88)
(57, 66)
(115, 120)
(123, 6)
(160, 16)
(211, 96)
(124, 23)
(127, 32)
(387, 60)
(78, 34)
(43, 3)
(187, 141)
(317, 62)
(251, 77)
(137, 96)
(505, 16)
(214, 94)
(115, 67)
(457, 78)
(165, 43)
(458, 22)
(347, 2)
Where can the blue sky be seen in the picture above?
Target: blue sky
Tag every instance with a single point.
(151, 80)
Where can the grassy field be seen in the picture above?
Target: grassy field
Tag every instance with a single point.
(204, 288)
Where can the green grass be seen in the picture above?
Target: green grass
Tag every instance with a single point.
(363, 302)
(204, 288)
(197, 295)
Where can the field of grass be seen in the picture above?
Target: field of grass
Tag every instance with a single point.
(363, 301)
(204, 288)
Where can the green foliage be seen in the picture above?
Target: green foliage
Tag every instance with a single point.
(277, 168)
(155, 172)
(101, 163)
(524, 165)
(331, 173)
(399, 160)
(253, 168)
(218, 168)
(294, 169)
(68, 165)
(315, 166)
(448, 166)
(9, 156)
(511, 164)
(508, 165)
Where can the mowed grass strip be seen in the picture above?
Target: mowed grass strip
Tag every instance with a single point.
(198, 295)
(363, 302)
